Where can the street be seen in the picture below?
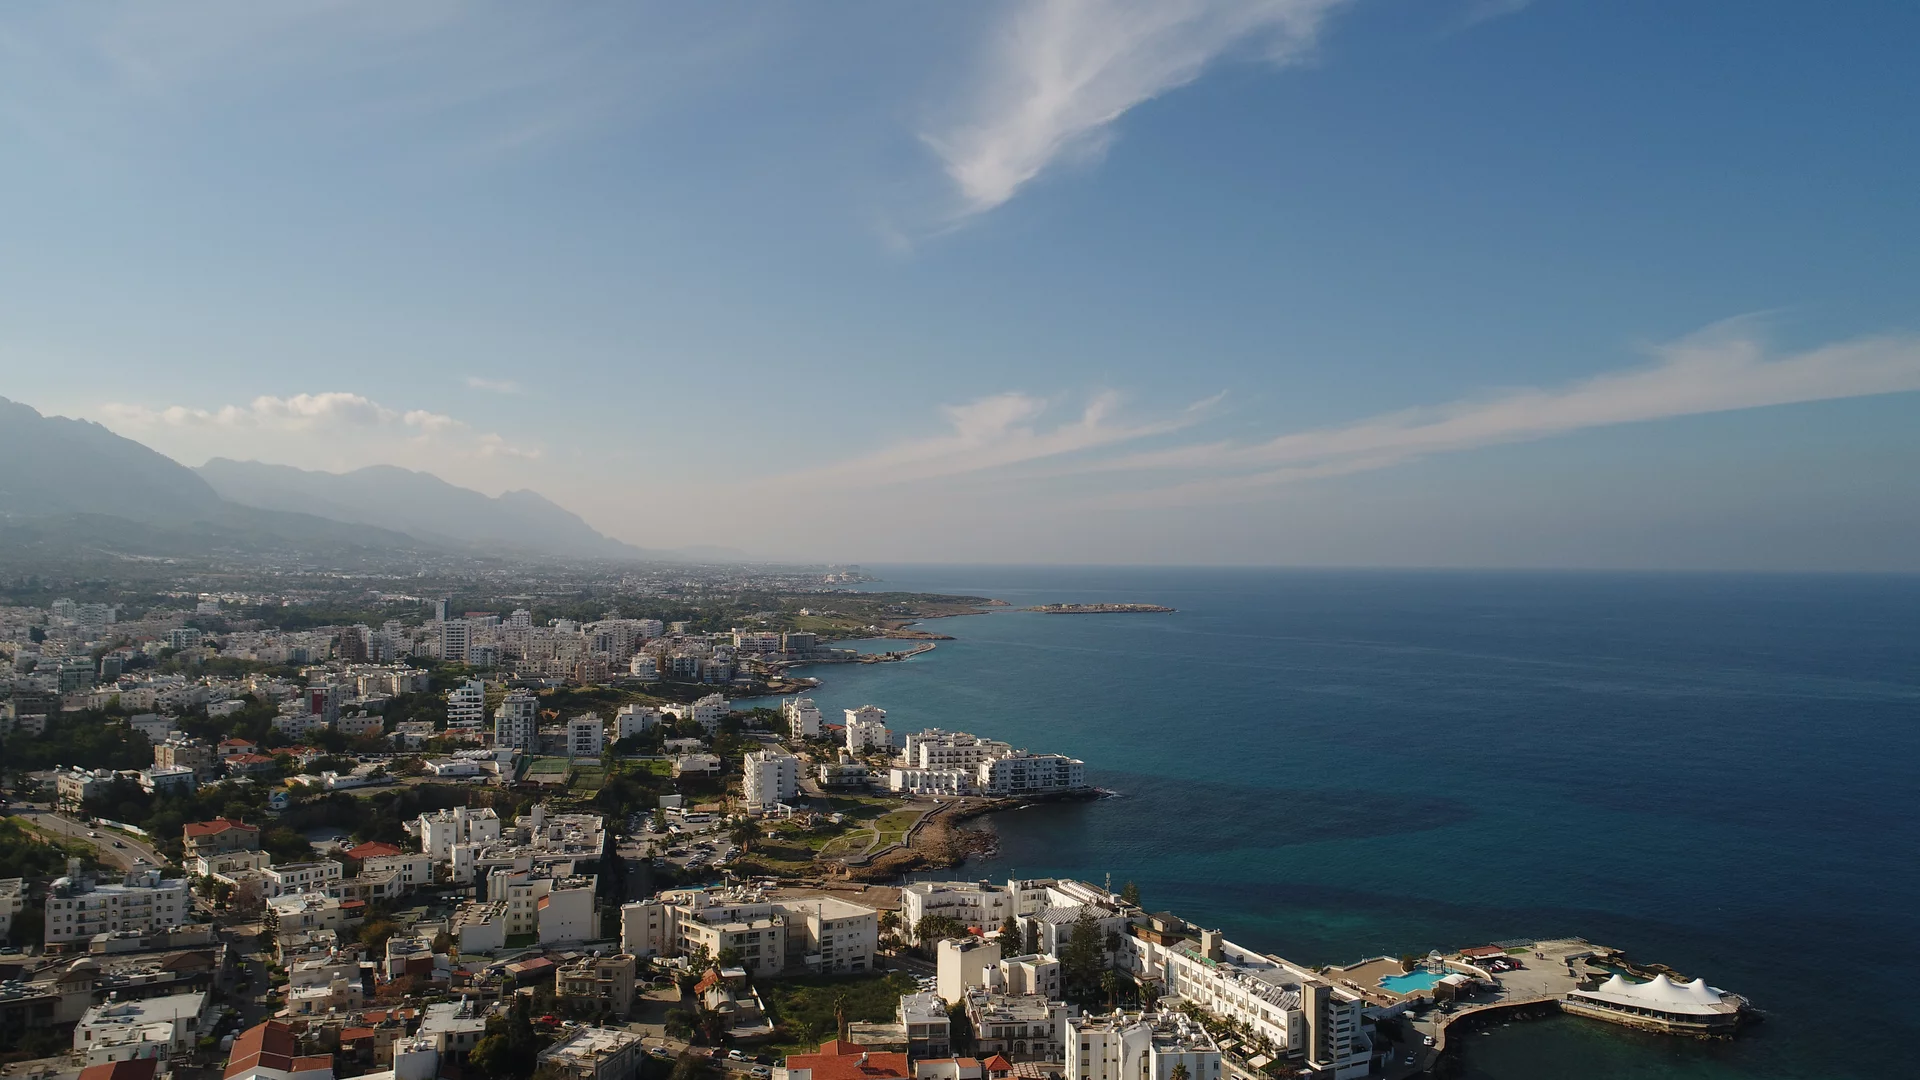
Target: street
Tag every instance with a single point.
(130, 847)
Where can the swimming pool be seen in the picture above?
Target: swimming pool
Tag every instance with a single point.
(1412, 982)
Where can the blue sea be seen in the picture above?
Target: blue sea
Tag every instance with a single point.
(1714, 772)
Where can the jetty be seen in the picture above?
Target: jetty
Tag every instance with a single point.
(1436, 1002)
(1099, 609)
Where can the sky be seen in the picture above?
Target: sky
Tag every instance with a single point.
(1613, 283)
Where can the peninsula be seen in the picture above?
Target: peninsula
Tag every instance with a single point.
(1098, 609)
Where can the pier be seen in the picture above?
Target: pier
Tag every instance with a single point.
(1466, 992)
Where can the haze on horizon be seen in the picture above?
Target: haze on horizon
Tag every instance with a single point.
(1328, 282)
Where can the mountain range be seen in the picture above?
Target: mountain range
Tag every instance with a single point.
(74, 482)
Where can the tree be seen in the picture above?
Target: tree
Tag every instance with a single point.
(1082, 959)
(375, 933)
(1033, 937)
(729, 957)
(1010, 934)
(744, 834)
(1130, 894)
(1110, 983)
(1180, 1072)
(960, 1028)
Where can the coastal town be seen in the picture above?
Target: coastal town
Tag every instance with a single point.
(477, 844)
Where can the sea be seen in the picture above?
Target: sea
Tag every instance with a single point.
(1715, 772)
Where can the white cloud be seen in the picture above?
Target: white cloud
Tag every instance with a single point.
(1059, 73)
(995, 432)
(492, 386)
(301, 412)
(1721, 369)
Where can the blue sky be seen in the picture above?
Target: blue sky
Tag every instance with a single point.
(1455, 282)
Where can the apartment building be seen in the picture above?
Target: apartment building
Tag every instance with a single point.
(602, 984)
(866, 729)
(817, 934)
(595, 1053)
(586, 736)
(317, 876)
(78, 907)
(802, 716)
(1019, 1027)
(770, 777)
(1139, 1046)
(516, 722)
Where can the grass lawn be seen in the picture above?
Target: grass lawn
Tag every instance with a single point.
(657, 768)
(587, 780)
(893, 827)
(802, 1009)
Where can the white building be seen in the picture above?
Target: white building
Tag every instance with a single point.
(634, 720)
(300, 877)
(13, 900)
(455, 636)
(441, 830)
(1021, 773)
(467, 705)
(963, 965)
(595, 1053)
(938, 749)
(1139, 1046)
(78, 908)
(803, 717)
(867, 728)
(155, 1027)
(771, 777)
(709, 711)
(516, 723)
(821, 934)
(586, 736)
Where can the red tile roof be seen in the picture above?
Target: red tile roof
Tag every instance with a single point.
(839, 1060)
(373, 849)
(262, 1046)
(352, 1033)
(996, 1063)
(216, 826)
(137, 1069)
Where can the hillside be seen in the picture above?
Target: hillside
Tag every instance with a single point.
(418, 504)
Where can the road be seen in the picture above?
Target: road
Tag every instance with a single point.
(132, 847)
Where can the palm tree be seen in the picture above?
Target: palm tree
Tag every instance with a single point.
(1111, 984)
(1180, 1072)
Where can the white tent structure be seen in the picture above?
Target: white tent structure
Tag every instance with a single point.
(1659, 1001)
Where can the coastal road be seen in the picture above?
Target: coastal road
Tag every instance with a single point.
(132, 847)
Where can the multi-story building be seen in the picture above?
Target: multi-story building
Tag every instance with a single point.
(867, 728)
(302, 877)
(709, 711)
(962, 965)
(74, 787)
(1140, 1046)
(595, 1053)
(980, 905)
(1019, 1027)
(78, 907)
(155, 1027)
(771, 777)
(516, 722)
(633, 720)
(441, 830)
(269, 1051)
(802, 716)
(455, 637)
(603, 984)
(165, 780)
(187, 753)
(1317, 1024)
(586, 736)
(1022, 773)
(13, 900)
(818, 934)
(938, 749)
(928, 1028)
(467, 704)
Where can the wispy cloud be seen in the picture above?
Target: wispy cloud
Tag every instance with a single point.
(314, 416)
(1721, 369)
(301, 412)
(997, 432)
(1059, 73)
(492, 386)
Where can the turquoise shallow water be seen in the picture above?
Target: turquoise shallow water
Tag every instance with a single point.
(1714, 772)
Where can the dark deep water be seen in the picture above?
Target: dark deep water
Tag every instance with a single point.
(1716, 772)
